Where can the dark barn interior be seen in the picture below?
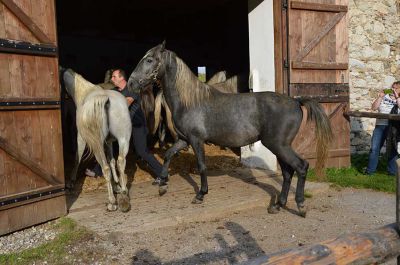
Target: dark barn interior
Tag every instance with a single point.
(94, 36)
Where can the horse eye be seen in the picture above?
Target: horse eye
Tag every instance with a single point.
(149, 60)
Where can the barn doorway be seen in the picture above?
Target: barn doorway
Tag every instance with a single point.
(94, 36)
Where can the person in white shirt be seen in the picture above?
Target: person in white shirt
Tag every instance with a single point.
(384, 104)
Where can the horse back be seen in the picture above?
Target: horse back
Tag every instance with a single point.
(240, 119)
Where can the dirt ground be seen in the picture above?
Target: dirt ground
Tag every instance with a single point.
(230, 227)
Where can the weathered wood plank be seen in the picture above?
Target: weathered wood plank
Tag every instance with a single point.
(2, 22)
(318, 7)
(16, 154)
(357, 248)
(364, 114)
(278, 49)
(27, 215)
(5, 85)
(26, 20)
(319, 66)
(328, 27)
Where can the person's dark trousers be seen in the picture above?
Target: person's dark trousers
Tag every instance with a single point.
(378, 139)
(139, 134)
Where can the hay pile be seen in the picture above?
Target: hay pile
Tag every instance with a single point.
(184, 163)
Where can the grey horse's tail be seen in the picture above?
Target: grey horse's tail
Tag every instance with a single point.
(92, 121)
(323, 131)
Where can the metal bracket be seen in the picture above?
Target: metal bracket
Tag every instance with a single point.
(284, 4)
(29, 103)
(31, 197)
(13, 46)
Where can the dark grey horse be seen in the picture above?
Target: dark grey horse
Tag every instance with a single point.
(203, 114)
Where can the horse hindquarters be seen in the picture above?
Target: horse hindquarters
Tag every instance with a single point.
(93, 127)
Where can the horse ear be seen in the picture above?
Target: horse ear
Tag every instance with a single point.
(163, 46)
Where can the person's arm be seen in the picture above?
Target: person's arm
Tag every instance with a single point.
(378, 100)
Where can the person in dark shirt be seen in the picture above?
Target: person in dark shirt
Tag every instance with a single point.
(139, 128)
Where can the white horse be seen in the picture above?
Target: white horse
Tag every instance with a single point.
(102, 116)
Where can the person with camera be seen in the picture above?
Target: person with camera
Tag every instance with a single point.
(384, 103)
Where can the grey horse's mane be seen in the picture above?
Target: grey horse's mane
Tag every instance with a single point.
(190, 89)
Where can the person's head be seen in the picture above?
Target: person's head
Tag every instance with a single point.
(118, 78)
(396, 86)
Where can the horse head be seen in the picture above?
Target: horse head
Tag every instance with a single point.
(149, 69)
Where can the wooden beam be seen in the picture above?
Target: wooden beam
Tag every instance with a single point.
(27, 21)
(25, 160)
(373, 247)
(325, 99)
(364, 114)
(331, 154)
(318, 7)
(319, 66)
(330, 25)
(341, 106)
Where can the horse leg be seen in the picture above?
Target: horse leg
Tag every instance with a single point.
(198, 148)
(179, 145)
(110, 157)
(301, 182)
(123, 200)
(288, 156)
(287, 173)
(81, 148)
(101, 159)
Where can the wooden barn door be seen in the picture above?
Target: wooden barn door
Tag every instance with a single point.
(31, 155)
(318, 68)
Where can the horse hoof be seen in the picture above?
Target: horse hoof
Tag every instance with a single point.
(302, 211)
(197, 200)
(124, 204)
(162, 190)
(111, 207)
(274, 209)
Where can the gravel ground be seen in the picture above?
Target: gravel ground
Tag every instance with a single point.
(28, 238)
(232, 239)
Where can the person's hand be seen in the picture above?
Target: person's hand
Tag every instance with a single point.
(381, 94)
(396, 95)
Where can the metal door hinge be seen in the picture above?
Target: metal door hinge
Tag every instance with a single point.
(285, 63)
(284, 4)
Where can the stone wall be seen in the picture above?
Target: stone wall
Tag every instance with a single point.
(374, 57)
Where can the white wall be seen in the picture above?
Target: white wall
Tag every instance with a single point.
(262, 70)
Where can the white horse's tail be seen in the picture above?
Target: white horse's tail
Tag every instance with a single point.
(92, 122)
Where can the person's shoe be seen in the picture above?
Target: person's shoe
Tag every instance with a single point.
(90, 173)
(366, 172)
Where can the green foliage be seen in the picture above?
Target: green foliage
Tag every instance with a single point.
(355, 177)
(202, 77)
(52, 252)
